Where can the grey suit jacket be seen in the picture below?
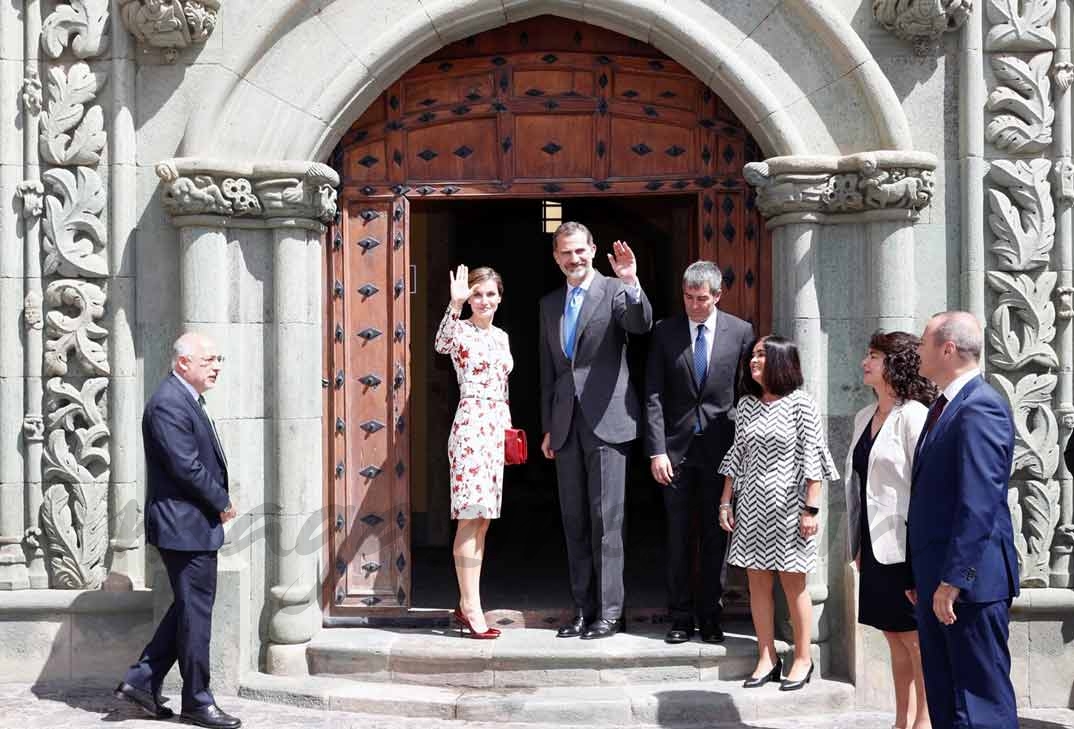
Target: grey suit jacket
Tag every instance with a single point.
(598, 375)
(673, 396)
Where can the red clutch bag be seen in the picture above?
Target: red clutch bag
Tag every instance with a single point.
(514, 446)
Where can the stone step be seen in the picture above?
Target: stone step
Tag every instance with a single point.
(671, 703)
(528, 658)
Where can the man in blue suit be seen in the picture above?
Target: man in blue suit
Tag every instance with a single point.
(187, 503)
(961, 543)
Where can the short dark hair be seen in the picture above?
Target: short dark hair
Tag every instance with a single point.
(568, 228)
(782, 373)
(901, 361)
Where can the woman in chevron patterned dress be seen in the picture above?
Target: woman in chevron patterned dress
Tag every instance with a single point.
(774, 470)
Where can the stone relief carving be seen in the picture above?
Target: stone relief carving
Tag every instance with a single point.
(1021, 344)
(32, 310)
(873, 187)
(31, 93)
(74, 520)
(78, 332)
(1064, 309)
(74, 234)
(1029, 300)
(921, 22)
(1062, 75)
(32, 193)
(1063, 181)
(1026, 100)
(199, 195)
(82, 25)
(170, 24)
(1020, 25)
(33, 428)
(241, 194)
(1024, 232)
(311, 196)
(67, 93)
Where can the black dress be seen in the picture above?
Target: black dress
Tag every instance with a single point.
(881, 600)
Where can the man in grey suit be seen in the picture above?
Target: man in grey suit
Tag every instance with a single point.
(590, 414)
(689, 393)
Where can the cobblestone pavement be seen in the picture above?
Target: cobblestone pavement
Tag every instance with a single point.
(25, 707)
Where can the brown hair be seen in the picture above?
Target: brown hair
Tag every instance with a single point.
(782, 373)
(901, 361)
(568, 228)
(482, 274)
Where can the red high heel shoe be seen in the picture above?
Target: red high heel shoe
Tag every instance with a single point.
(464, 624)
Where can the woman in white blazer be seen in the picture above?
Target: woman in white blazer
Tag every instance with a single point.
(878, 472)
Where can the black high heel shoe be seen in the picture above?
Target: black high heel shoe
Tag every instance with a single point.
(773, 675)
(786, 685)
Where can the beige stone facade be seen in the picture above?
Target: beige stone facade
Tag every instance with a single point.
(163, 165)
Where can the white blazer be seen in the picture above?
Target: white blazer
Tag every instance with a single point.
(887, 490)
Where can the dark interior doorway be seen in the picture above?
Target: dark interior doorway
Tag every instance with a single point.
(525, 562)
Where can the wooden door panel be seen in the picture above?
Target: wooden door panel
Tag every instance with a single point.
(464, 150)
(644, 149)
(367, 162)
(550, 146)
(548, 82)
(650, 88)
(370, 549)
(425, 93)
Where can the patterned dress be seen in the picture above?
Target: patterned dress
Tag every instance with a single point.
(778, 447)
(482, 359)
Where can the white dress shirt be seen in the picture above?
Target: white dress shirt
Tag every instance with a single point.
(956, 385)
(710, 327)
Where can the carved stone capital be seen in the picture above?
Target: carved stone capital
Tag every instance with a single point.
(921, 22)
(1064, 302)
(286, 189)
(32, 310)
(870, 185)
(32, 193)
(1063, 181)
(33, 428)
(170, 25)
(1062, 75)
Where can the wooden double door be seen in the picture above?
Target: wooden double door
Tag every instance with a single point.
(548, 109)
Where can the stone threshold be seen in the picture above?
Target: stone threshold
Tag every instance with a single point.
(669, 703)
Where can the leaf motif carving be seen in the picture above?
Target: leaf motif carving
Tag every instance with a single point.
(1030, 302)
(1036, 432)
(74, 234)
(78, 333)
(61, 541)
(1026, 97)
(68, 92)
(1020, 25)
(1024, 232)
(1040, 512)
(82, 25)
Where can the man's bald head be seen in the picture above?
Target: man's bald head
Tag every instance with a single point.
(195, 359)
(950, 346)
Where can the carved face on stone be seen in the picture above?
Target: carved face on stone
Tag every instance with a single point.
(199, 363)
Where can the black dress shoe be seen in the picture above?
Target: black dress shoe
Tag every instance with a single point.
(602, 628)
(773, 675)
(144, 700)
(211, 716)
(574, 628)
(711, 632)
(680, 632)
(787, 685)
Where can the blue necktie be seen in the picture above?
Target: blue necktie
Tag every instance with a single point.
(701, 366)
(570, 320)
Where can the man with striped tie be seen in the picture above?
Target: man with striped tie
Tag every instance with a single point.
(689, 393)
(589, 414)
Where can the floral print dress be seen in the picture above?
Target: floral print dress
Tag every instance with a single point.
(482, 360)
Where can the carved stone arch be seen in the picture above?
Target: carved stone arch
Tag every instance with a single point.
(802, 67)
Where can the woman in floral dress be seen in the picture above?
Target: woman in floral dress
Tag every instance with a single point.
(482, 358)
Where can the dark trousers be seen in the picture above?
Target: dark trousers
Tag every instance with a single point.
(184, 632)
(591, 475)
(967, 665)
(692, 501)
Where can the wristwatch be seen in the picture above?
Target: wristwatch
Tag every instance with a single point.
(811, 510)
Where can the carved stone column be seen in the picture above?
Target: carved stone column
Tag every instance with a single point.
(868, 200)
(169, 26)
(291, 201)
